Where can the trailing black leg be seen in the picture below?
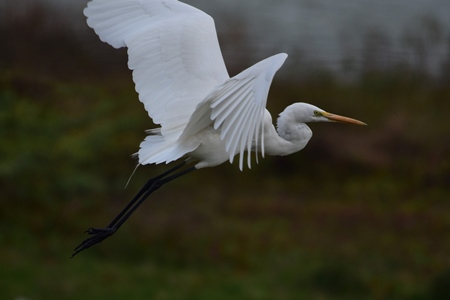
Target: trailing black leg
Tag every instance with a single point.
(99, 234)
(146, 186)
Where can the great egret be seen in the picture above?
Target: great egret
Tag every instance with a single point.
(206, 117)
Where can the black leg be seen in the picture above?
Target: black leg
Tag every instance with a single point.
(156, 185)
(142, 191)
(99, 234)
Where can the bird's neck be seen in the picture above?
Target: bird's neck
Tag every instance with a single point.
(290, 137)
(298, 134)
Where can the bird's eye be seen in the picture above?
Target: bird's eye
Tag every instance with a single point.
(317, 113)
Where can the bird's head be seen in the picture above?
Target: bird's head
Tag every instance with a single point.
(305, 113)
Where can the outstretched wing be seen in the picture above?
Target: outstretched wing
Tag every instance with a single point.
(236, 108)
(173, 51)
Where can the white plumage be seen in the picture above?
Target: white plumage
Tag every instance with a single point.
(181, 77)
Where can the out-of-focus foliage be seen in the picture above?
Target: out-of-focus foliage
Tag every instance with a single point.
(361, 212)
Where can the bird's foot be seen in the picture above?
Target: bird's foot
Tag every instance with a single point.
(98, 235)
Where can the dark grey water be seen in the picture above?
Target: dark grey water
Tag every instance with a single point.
(343, 36)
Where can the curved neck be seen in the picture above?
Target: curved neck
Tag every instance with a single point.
(294, 133)
(290, 137)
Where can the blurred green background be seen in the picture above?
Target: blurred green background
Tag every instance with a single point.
(360, 213)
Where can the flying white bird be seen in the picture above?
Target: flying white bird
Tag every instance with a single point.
(205, 116)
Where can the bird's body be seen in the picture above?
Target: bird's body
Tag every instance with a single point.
(204, 115)
(233, 114)
(211, 150)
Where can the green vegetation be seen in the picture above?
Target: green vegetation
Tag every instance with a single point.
(367, 217)
(360, 213)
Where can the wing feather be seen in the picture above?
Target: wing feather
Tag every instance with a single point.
(237, 107)
(233, 129)
(172, 49)
(249, 128)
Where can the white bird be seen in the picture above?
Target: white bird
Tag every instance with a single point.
(204, 115)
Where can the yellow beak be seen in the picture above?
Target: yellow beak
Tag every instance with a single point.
(341, 119)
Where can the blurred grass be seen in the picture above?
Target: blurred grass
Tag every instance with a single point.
(367, 217)
(360, 213)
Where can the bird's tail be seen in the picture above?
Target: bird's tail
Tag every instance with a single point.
(156, 149)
